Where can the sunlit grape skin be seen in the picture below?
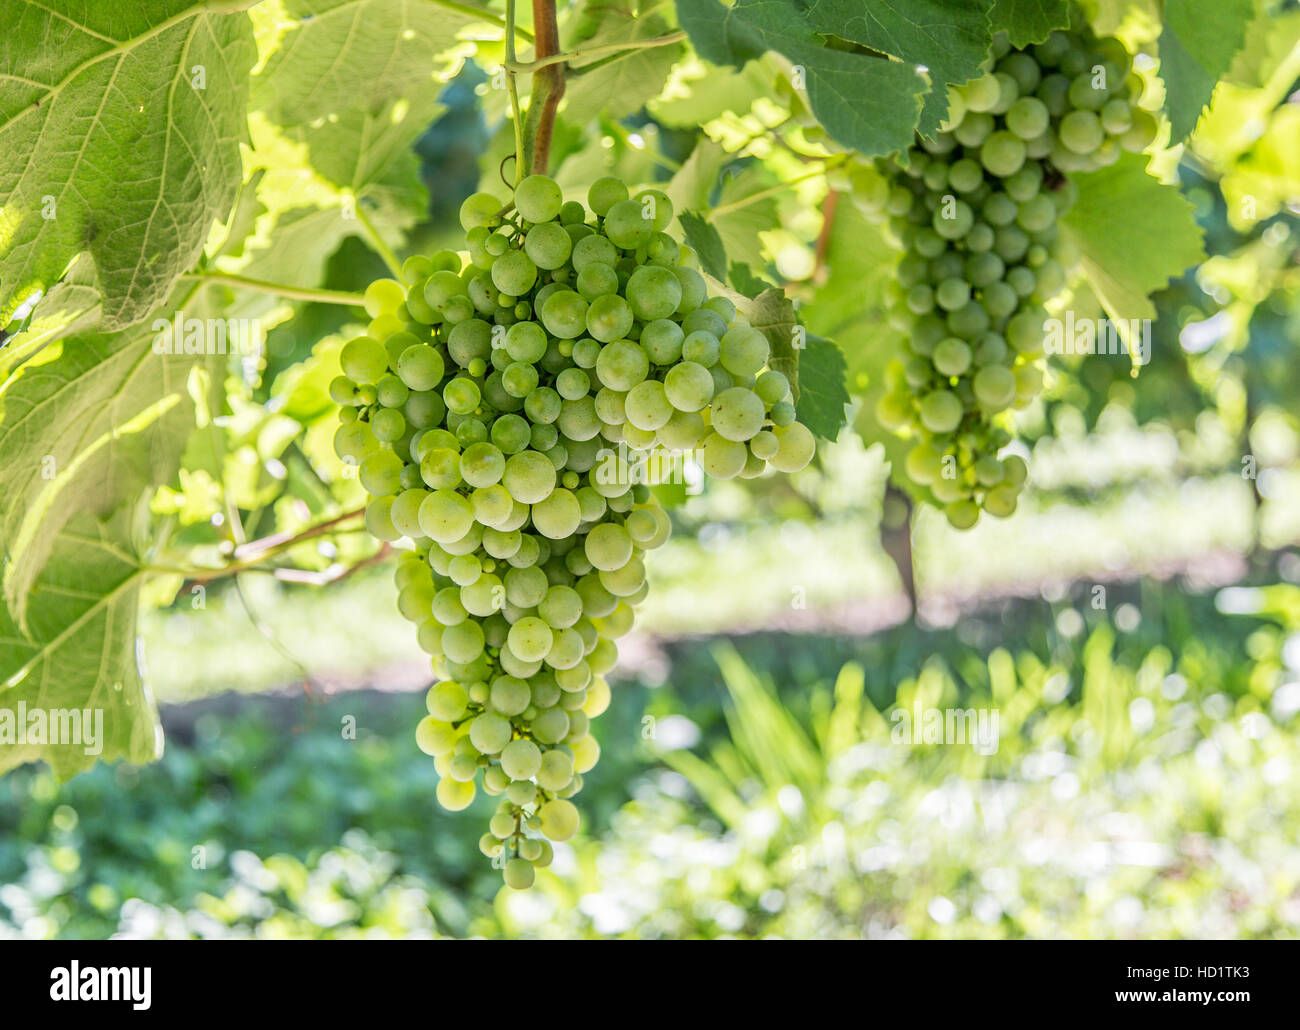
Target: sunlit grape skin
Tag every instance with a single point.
(482, 410)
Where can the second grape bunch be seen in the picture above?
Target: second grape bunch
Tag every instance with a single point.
(976, 211)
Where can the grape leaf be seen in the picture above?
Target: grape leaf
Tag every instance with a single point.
(708, 181)
(1029, 21)
(849, 307)
(346, 89)
(1134, 234)
(698, 93)
(866, 103)
(1269, 41)
(87, 430)
(1197, 46)
(122, 123)
(745, 281)
(71, 305)
(620, 84)
(707, 243)
(327, 57)
(951, 38)
(822, 393)
(78, 653)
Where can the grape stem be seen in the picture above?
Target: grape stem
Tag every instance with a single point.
(604, 48)
(753, 198)
(513, 87)
(355, 300)
(377, 242)
(257, 551)
(548, 87)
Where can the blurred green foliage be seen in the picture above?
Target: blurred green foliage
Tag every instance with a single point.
(1139, 788)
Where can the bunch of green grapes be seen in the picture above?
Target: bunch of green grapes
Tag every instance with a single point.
(976, 210)
(502, 412)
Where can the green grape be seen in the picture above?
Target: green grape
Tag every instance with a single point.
(662, 341)
(489, 732)
(434, 736)
(1002, 154)
(621, 365)
(463, 642)
(479, 209)
(744, 351)
(1081, 132)
(688, 386)
(564, 314)
(530, 638)
(596, 280)
(548, 246)
(538, 198)
(952, 357)
(529, 477)
(626, 225)
(940, 411)
(737, 413)
(608, 546)
(461, 396)
(364, 360)
(445, 516)
(560, 819)
(514, 273)
(653, 292)
(609, 318)
(604, 193)
(647, 405)
(796, 447)
(557, 516)
(722, 458)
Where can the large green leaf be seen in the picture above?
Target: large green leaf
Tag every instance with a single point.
(823, 393)
(326, 57)
(77, 653)
(1134, 234)
(1197, 47)
(867, 103)
(951, 38)
(120, 124)
(87, 430)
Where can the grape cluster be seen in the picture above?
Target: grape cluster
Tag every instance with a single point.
(482, 410)
(976, 211)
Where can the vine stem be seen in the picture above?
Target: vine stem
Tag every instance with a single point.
(604, 48)
(513, 87)
(548, 84)
(377, 241)
(278, 289)
(488, 16)
(753, 198)
(257, 551)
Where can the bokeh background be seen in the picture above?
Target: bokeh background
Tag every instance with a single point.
(1136, 625)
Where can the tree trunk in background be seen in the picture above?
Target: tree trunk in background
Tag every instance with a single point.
(896, 538)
